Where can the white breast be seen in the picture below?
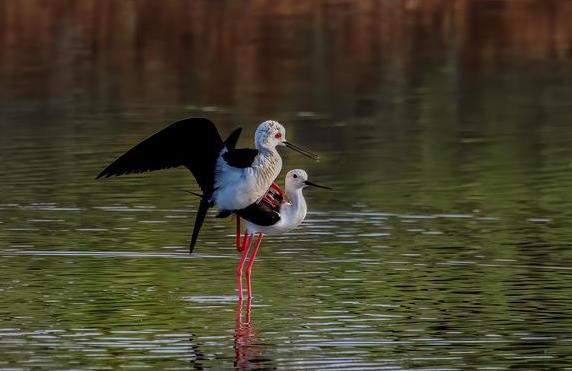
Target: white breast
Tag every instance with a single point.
(237, 188)
(291, 215)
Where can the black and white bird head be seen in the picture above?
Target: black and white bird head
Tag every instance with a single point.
(298, 179)
(271, 134)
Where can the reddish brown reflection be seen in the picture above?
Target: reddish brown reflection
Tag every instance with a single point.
(248, 352)
(259, 55)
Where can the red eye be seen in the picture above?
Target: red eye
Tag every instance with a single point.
(278, 135)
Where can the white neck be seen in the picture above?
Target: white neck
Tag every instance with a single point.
(262, 147)
(298, 209)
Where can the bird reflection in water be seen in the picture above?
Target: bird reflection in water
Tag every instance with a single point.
(248, 351)
(197, 361)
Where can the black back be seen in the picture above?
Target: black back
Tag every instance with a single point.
(240, 158)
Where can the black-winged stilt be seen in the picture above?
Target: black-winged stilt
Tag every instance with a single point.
(230, 179)
(272, 215)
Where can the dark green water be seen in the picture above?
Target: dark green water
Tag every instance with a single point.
(446, 243)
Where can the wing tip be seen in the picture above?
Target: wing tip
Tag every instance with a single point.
(107, 174)
(199, 219)
(232, 139)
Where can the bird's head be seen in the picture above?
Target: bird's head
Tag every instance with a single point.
(298, 179)
(270, 134)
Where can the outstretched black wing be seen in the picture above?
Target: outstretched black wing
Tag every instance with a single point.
(194, 143)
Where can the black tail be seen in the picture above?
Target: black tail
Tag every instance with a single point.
(200, 218)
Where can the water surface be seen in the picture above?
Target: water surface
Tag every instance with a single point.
(445, 244)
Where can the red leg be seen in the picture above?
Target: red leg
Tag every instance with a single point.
(238, 247)
(245, 248)
(251, 263)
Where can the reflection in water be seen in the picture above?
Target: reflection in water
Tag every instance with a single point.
(325, 56)
(248, 351)
(197, 355)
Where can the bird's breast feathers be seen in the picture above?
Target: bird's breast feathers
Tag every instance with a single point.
(236, 188)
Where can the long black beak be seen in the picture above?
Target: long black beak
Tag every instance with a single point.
(307, 182)
(302, 151)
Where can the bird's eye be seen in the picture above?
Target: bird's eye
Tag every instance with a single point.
(278, 135)
(295, 176)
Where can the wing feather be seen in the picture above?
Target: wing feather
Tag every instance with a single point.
(193, 142)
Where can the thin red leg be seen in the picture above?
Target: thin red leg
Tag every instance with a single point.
(245, 248)
(238, 246)
(251, 263)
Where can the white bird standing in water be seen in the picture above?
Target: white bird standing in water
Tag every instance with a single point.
(230, 179)
(272, 216)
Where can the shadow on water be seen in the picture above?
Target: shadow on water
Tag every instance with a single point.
(444, 127)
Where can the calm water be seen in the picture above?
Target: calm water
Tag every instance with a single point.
(446, 243)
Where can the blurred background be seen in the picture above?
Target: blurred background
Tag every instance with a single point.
(443, 125)
(342, 58)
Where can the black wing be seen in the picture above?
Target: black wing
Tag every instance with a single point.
(241, 158)
(267, 211)
(230, 142)
(194, 143)
(259, 215)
